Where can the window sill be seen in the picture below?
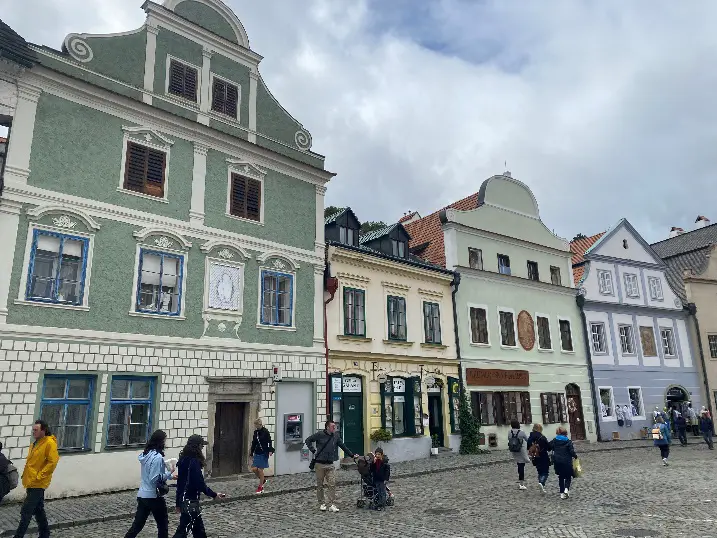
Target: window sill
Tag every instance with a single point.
(72, 451)
(275, 327)
(670, 357)
(242, 219)
(81, 308)
(403, 343)
(479, 344)
(142, 195)
(600, 353)
(155, 316)
(608, 419)
(226, 118)
(628, 356)
(541, 350)
(182, 101)
(429, 345)
(352, 338)
(122, 448)
(640, 417)
(567, 352)
(503, 346)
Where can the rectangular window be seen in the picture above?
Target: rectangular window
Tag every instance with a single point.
(627, 340)
(277, 298)
(475, 258)
(712, 340)
(245, 198)
(555, 278)
(605, 282)
(401, 406)
(668, 342)
(566, 335)
(396, 318)
(354, 312)
(159, 284)
(144, 170)
(544, 341)
(225, 97)
(647, 339)
(507, 329)
(638, 409)
(553, 408)
(631, 287)
(597, 331)
(347, 235)
(607, 402)
(183, 80)
(479, 326)
(655, 286)
(432, 323)
(57, 268)
(533, 271)
(398, 248)
(500, 408)
(503, 264)
(130, 420)
(66, 406)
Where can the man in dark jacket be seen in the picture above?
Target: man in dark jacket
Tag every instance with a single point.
(4, 480)
(681, 424)
(563, 456)
(380, 473)
(707, 427)
(325, 454)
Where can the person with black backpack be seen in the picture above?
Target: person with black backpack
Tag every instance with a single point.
(518, 446)
(8, 475)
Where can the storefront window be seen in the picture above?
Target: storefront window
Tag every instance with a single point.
(453, 403)
(401, 412)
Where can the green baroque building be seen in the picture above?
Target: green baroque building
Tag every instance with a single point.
(162, 249)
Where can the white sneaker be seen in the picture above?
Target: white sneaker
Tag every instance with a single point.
(333, 508)
(563, 496)
(664, 461)
(567, 492)
(322, 508)
(522, 486)
(542, 487)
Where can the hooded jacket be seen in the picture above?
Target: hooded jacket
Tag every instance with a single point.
(563, 454)
(190, 481)
(380, 472)
(41, 462)
(153, 472)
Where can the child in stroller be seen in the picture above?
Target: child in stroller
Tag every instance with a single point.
(373, 478)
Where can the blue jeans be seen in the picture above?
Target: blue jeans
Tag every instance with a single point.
(707, 436)
(683, 436)
(543, 478)
(564, 481)
(381, 491)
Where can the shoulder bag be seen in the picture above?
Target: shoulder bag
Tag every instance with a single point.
(312, 464)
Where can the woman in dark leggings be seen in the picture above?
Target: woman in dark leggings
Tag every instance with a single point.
(661, 435)
(563, 456)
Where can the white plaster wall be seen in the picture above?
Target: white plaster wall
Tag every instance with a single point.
(625, 360)
(601, 317)
(622, 270)
(8, 98)
(592, 283)
(685, 349)
(649, 321)
(613, 247)
(669, 296)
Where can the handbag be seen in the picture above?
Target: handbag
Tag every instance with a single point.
(162, 488)
(191, 508)
(577, 468)
(312, 463)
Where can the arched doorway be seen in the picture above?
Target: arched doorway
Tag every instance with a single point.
(575, 412)
(676, 399)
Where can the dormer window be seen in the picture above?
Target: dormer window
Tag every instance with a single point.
(348, 236)
(398, 248)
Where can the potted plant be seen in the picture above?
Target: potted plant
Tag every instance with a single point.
(381, 435)
(434, 444)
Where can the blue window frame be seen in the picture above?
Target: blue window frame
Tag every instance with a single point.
(66, 406)
(130, 416)
(277, 298)
(159, 283)
(58, 265)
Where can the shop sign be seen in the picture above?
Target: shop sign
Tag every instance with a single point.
(399, 385)
(352, 384)
(399, 399)
(336, 384)
(483, 377)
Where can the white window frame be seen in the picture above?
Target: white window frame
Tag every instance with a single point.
(632, 333)
(601, 273)
(133, 300)
(627, 279)
(144, 136)
(515, 327)
(178, 98)
(251, 171)
(604, 338)
(641, 416)
(672, 342)
(480, 258)
(612, 418)
(537, 332)
(219, 313)
(572, 336)
(290, 270)
(218, 115)
(655, 285)
(556, 269)
(510, 269)
(487, 324)
(21, 299)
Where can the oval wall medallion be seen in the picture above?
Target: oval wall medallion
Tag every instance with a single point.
(526, 330)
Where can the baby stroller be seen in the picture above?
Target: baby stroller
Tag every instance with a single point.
(368, 494)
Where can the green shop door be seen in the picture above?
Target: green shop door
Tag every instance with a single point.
(352, 411)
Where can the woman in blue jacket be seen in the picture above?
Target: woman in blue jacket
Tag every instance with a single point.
(563, 456)
(662, 438)
(154, 473)
(190, 487)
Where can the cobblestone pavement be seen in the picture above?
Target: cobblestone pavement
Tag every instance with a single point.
(624, 493)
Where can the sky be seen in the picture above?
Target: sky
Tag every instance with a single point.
(605, 109)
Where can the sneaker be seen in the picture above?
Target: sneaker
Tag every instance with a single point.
(259, 490)
(664, 462)
(333, 508)
(567, 493)
(522, 486)
(541, 486)
(322, 508)
(563, 496)
(264, 482)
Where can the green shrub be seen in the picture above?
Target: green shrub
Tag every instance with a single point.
(469, 426)
(381, 435)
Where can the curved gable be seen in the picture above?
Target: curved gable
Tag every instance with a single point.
(508, 193)
(203, 14)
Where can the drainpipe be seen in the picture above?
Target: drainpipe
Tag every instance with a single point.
(580, 299)
(692, 310)
(454, 284)
(331, 284)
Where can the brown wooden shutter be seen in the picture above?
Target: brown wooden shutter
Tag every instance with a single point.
(504, 408)
(544, 407)
(563, 409)
(527, 410)
(237, 204)
(144, 170)
(183, 80)
(477, 404)
(218, 96)
(232, 99)
(190, 83)
(253, 199)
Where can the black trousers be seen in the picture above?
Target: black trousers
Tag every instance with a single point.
(188, 526)
(683, 436)
(34, 505)
(158, 508)
(664, 451)
(521, 471)
(564, 481)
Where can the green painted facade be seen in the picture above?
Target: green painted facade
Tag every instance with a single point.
(177, 46)
(239, 74)
(207, 18)
(127, 67)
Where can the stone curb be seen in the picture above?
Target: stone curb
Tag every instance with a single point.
(288, 491)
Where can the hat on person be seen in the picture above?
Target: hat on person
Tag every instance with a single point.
(197, 439)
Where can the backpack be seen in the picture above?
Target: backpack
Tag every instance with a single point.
(534, 451)
(515, 443)
(12, 475)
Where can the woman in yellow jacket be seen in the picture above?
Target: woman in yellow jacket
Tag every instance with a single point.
(41, 462)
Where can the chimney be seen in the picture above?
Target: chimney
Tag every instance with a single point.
(675, 231)
(701, 221)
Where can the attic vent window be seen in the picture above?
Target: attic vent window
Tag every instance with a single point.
(182, 80)
(624, 244)
(225, 97)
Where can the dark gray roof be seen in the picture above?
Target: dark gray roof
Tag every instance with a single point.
(411, 260)
(695, 262)
(375, 234)
(14, 48)
(686, 242)
(331, 218)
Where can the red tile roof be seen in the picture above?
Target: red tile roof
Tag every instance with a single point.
(578, 248)
(428, 230)
(407, 216)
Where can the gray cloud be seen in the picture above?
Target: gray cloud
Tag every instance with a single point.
(605, 109)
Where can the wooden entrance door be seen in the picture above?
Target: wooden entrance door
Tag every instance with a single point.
(435, 417)
(575, 412)
(228, 449)
(352, 418)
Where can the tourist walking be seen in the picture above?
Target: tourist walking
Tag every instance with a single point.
(152, 487)
(190, 487)
(563, 456)
(261, 450)
(518, 447)
(326, 452)
(36, 477)
(661, 435)
(692, 419)
(681, 423)
(707, 428)
(538, 448)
